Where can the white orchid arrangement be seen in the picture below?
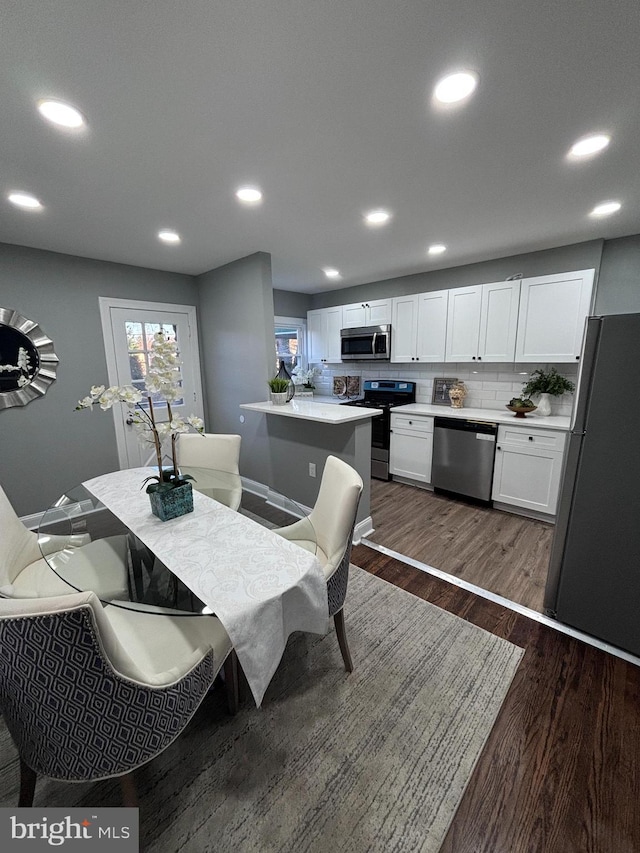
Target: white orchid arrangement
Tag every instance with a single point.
(304, 376)
(23, 368)
(163, 378)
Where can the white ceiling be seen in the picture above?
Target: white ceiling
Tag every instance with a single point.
(326, 105)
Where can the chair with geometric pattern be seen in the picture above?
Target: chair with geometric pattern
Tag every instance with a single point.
(91, 692)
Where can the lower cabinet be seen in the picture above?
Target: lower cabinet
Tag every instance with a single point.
(528, 468)
(411, 447)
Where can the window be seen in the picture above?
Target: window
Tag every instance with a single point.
(290, 337)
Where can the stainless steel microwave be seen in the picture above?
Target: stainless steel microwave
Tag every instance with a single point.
(365, 343)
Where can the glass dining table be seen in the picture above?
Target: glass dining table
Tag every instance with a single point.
(80, 517)
(224, 559)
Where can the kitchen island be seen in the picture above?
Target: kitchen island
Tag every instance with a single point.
(299, 437)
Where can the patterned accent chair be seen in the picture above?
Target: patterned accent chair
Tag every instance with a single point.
(217, 452)
(24, 573)
(91, 693)
(333, 519)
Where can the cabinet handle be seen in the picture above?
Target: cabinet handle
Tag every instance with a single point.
(577, 358)
(498, 447)
(473, 357)
(530, 438)
(410, 422)
(479, 358)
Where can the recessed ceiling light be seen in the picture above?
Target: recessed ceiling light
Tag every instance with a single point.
(60, 113)
(168, 236)
(437, 249)
(330, 272)
(25, 200)
(606, 208)
(250, 195)
(455, 87)
(589, 145)
(377, 217)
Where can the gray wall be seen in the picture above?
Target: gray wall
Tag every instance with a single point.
(289, 304)
(46, 445)
(236, 322)
(619, 287)
(580, 256)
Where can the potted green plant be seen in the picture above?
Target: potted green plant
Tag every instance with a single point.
(279, 390)
(545, 384)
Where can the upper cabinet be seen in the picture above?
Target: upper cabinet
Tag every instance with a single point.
(482, 322)
(323, 331)
(538, 320)
(374, 313)
(419, 327)
(553, 309)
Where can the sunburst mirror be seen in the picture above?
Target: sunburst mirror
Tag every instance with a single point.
(28, 363)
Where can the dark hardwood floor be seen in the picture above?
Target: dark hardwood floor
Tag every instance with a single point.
(504, 553)
(560, 772)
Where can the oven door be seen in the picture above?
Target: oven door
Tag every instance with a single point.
(380, 439)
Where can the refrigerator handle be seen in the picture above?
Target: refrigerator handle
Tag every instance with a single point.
(590, 341)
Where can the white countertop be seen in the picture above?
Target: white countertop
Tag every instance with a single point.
(494, 416)
(310, 409)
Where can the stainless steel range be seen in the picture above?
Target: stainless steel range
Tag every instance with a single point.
(383, 394)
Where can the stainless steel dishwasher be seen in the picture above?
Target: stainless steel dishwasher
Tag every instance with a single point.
(463, 455)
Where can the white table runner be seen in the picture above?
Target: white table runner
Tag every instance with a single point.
(260, 586)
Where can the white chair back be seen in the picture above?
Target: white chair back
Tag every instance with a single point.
(18, 546)
(335, 509)
(210, 450)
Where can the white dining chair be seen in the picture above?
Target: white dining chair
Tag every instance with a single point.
(217, 453)
(330, 536)
(91, 692)
(24, 573)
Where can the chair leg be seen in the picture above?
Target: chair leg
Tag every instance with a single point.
(342, 640)
(27, 786)
(129, 792)
(231, 682)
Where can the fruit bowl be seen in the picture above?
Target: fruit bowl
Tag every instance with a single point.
(521, 411)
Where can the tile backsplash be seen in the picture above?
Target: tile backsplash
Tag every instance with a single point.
(489, 386)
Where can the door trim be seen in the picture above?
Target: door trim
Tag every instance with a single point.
(106, 303)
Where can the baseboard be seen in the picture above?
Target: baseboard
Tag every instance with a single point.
(527, 513)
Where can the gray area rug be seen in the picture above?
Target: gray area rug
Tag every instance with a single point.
(373, 761)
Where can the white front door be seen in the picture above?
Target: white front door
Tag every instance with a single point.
(128, 328)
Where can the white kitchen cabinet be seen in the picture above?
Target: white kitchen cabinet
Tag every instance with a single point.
(551, 320)
(482, 322)
(323, 332)
(419, 327)
(377, 312)
(528, 468)
(411, 447)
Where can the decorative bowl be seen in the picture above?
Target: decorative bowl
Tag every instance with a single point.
(521, 411)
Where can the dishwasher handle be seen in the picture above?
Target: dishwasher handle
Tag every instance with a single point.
(483, 427)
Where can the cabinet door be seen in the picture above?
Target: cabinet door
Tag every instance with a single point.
(316, 335)
(527, 477)
(463, 323)
(432, 326)
(403, 328)
(410, 454)
(378, 312)
(354, 315)
(552, 314)
(333, 325)
(499, 321)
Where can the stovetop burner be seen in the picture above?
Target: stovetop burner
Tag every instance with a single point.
(385, 394)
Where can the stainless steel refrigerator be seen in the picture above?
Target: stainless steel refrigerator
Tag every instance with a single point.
(594, 573)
